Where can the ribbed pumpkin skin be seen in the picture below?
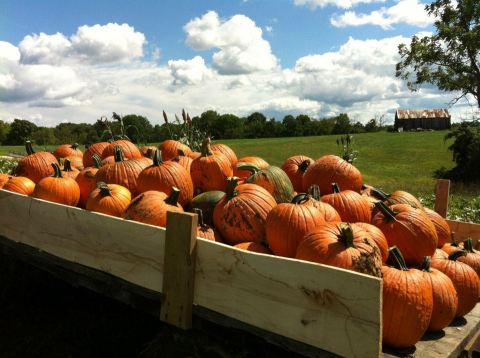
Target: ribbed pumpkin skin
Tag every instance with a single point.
(412, 232)
(377, 236)
(465, 280)
(87, 182)
(62, 190)
(275, 181)
(210, 172)
(407, 306)
(445, 300)
(113, 204)
(3, 179)
(441, 226)
(184, 161)
(253, 247)
(97, 149)
(295, 168)
(287, 224)
(206, 202)
(403, 197)
(124, 173)
(108, 160)
(36, 166)
(150, 208)
(226, 151)
(242, 218)
(21, 185)
(351, 206)
(65, 150)
(162, 176)
(472, 259)
(130, 150)
(332, 169)
(170, 147)
(323, 245)
(75, 162)
(257, 161)
(69, 171)
(328, 212)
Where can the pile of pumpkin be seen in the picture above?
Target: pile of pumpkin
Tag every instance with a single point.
(315, 210)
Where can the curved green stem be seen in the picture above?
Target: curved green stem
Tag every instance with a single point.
(300, 198)
(232, 183)
(335, 188)
(118, 153)
(457, 254)
(395, 258)
(346, 235)
(28, 147)
(157, 158)
(252, 168)
(314, 191)
(57, 172)
(379, 194)
(426, 262)
(199, 212)
(173, 197)
(104, 189)
(386, 210)
(97, 161)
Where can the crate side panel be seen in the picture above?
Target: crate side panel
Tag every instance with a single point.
(464, 230)
(333, 309)
(126, 249)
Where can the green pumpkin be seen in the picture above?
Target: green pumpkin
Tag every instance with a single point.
(206, 202)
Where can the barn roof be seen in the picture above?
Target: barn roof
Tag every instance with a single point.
(422, 113)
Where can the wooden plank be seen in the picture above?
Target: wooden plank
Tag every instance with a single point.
(335, 309)
(464, 230)
(179, 269)
(442, 191)
(325, 307)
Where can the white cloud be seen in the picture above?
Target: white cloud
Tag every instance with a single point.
(344, 4)
(409, 12)
(242, 48)
(189, 72)
(90, 44)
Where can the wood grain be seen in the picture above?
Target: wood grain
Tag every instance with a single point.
(465, 230)
(442, 191)
(179, 269)
(333, 309)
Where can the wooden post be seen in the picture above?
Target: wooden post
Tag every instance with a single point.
(442, 191)
(179, 269)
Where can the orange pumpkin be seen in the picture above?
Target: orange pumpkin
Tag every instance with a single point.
(110, 199)
(183, 160)
(327, 211)
(59, 189)
(148, 150)
(75, 162)
(97, 149)
(377, 236)
(65, 150)
(68, 171)
(332, 169)
(295, 167)
(21, 185)
(87, 181)
(472, 257)
(151, 207)
(205, 231)
(227, 151)
(407, 303)
(256, 161)
(441, 226)
(350, 205)
(130, 150)
(3, 179)
(162, 176)
(210, 170)
(241, 214)
(35, 166)
(169, 149)
(464, 278)
(342, 245)
(445, 299)
(403, 197)
(253, 247)
(452, 246)
(408, 228)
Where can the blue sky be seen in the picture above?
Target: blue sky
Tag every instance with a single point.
(75, 60)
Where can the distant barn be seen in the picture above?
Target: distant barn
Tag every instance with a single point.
(409, 119)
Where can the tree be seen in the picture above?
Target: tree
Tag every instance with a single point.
(44, 136)
(4, 129)
(20, 131)
(450, 58)
(137, 128)
(342, 124)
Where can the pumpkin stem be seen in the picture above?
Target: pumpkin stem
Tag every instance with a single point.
(335, 188)
(97, 161)
(467, 245)
(386, 210)
(206, 149)
(304, 165)
(300, 198)
(104, 189)
(74, 146)
(157, 158)
(173, 197)
(28, 147)
(67, 166)
(457, 254)
(57, 172)
(118, 153)
(199, 212)
(346, 235)
(395, 258)
(314, 191)
(180, 152)
(426, 262)
(252, 168)
(232, 183)
(379, 194)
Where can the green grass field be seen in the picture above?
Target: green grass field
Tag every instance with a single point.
(387, 160)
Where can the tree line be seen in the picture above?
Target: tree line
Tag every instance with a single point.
(219, 126)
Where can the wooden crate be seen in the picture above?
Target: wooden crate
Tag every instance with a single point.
(322, 307)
